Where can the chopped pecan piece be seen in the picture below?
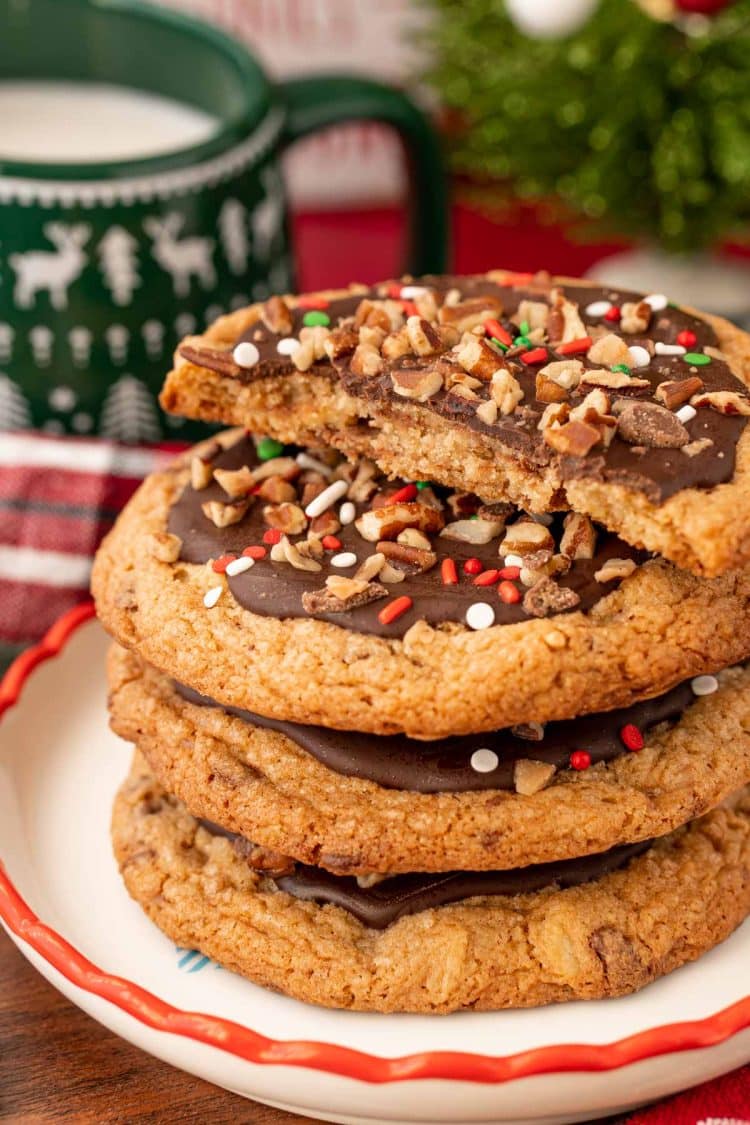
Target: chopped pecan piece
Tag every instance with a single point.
(463, 504)
(288, 518)
(413, 537)
(472, 531)
(388, 521)
(339, 595)
(165, 547)
(499, 512)
(564, 322)
(555, 414)
(416, 384)
(529, 732)
(235, 483)
(647, 423)
(548, 391)
(363, 485)
(506, 391)
(285, 467)
(370, 568)
(526, 536)
(374, 315)
(573, 438)
(277, 317)
(396, 344)
(487, 412)
(312, 347)
(535, 313)
(565, 372)
(311, 489)
(546, 598)
(725, 402)
(414, 560)
(277, 490)
(578, 537)
(609, 350)
(615, 569)
(530, 777)
(423, 336)
(470, 313)
(201, 473)
(366, 361)
(224, 515)
(478, 357)
(676, 391)
(327, 523)
(342, 341)
(635, 317)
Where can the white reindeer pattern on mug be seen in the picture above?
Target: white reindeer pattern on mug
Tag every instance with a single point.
(53, 270)
(182, 258)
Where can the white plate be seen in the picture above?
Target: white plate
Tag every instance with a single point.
(64, 904)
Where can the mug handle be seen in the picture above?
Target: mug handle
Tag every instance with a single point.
(315, 103)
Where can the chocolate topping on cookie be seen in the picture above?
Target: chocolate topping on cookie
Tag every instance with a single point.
(343, 544)
(380, 902)
(474, 762)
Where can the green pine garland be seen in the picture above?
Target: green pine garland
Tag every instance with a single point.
(631, 123)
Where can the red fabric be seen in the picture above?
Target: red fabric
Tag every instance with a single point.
(52, 500)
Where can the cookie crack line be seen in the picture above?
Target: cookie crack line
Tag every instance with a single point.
(519, 388)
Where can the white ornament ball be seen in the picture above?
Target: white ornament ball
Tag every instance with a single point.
(550, 19)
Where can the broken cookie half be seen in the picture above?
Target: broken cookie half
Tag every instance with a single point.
(547, 392)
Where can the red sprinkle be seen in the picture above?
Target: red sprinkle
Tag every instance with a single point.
(536, 355)
(331, 543)
(687, 339)
(511, 573)
(272, 536)
(221, 564)
(575, 347)
(613, 314)
(487, 578)
(404, 495)
(410, 308)
(509, 593)
(632, 737)
(580, 759)
(449, 573)
(494, 328)
(313, 302)
(517, 279)
(473, 566)
(255, 552)
(394, 290)
(394, 610)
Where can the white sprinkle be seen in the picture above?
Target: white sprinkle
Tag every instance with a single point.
(239, 566)
(411, 292)
(347, 513)
(305, 461)
(326, 498)
(598, 308)
(704, 685)
(669, 349)
(513, 560)
(288, 345)
(657, 301)
(345, 559)
(484, 761)
(246, 354)
(639, 357)
(212, 596)
(686, 413)
(480, 615)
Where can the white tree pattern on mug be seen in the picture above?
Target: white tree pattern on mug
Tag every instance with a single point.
(41, 339)
(14, 409)
(153, 338)
(53, 270)
(181, 258)
(235, 242)
(7, 336)
(118, 340)
(79, 339)
(118, 262)
(129, 412)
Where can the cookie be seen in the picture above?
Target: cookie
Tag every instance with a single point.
(601, 927)
(356, 804)
(443, 617)
(548, 392)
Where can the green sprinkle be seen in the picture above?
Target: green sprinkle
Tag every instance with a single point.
(498, 343)
(522, 342)
(315, 317)
(422, 484)
(524, 328)
(474, 517)
(621, 367)
(268, 448)
(698, 359)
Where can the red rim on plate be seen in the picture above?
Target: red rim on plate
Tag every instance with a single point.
(250, 1045)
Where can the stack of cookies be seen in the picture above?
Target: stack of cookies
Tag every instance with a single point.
(433, 667)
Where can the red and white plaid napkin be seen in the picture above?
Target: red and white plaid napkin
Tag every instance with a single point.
(58, 497)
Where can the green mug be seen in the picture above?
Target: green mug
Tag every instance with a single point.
(105, 265)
